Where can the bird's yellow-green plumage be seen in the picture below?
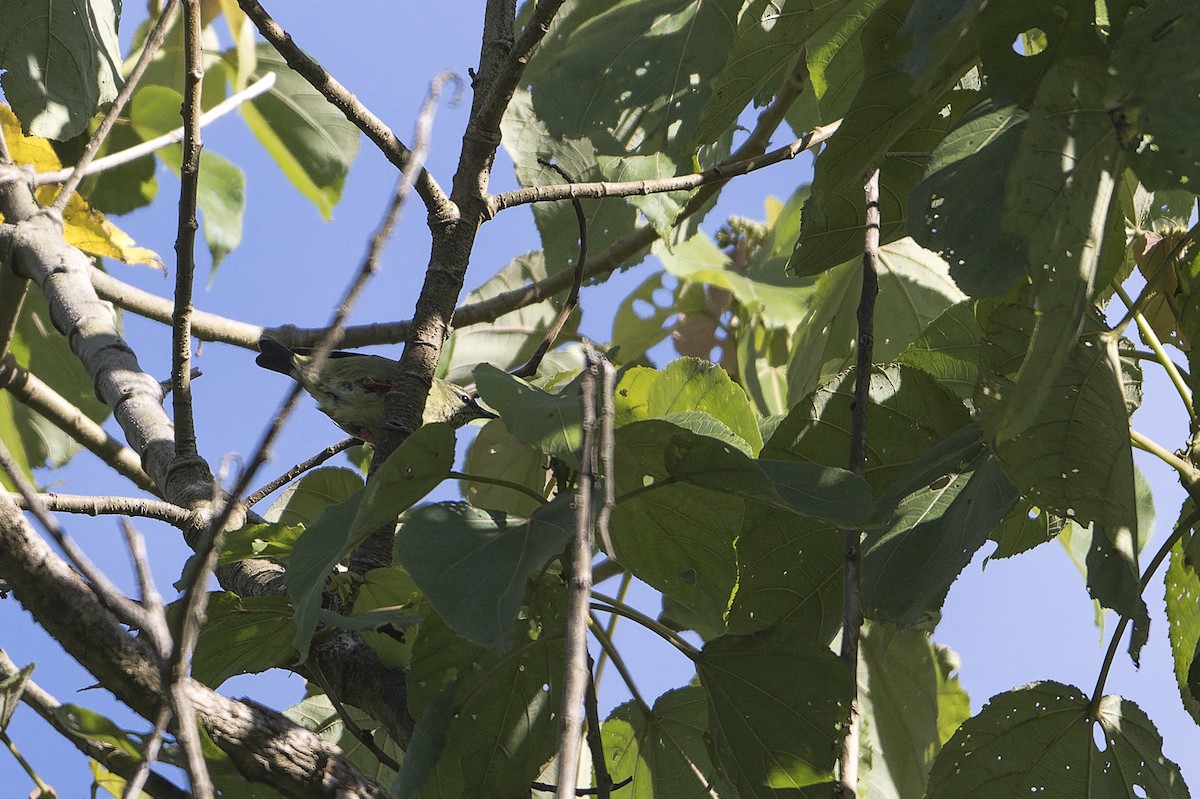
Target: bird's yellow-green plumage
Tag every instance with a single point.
(351, 388)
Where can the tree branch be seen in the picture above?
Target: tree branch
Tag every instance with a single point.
(852, 617)
(33, 244)
(30, 391)
(379, 133)
(717, 174)
(151, 146)
(579, 587)
(264, 745)
(115, 759)
(111, 506)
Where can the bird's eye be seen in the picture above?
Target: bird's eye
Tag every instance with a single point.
(465, 397)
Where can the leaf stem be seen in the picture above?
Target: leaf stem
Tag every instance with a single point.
(1151, 339)
(622, 590)
(610, 649)
(610, 604)
(1187, 471)
(496, 481)
(1151, 567)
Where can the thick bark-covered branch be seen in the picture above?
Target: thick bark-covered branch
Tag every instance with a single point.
(113, 758)
(32, 243)
(264, 745)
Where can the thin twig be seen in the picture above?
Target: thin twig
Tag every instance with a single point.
(151, 747)
(612, 605)
(178, 663)
(604, 782)
(362, 736)
(379, 133)
(496, 481)
(128, 611)
(637, 188)
(607, 645)
(1189, 475)
(530, 367)
(297, 470)
(111, 506)
(622, 591)
(114, 759)
(579, 586)
(607, 451)
(185, 240)
(852, 539)
(131, 154)
(1152, 341)
(153, 41)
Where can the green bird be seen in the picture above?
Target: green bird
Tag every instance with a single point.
(351, 388)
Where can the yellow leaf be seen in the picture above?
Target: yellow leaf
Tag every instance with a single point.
(84, 226)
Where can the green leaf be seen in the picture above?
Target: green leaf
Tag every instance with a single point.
(1038, 739)
(313, 557)
(428, 740)
(509, 340)
(1058, 193)
(958, 207)
(769, 37)
(412, 471)
(789, 571)
(936, 28)
(304, 500)
(318, 714)
(547, 422)
(526, 138)
(311, 140)
(1153, 60)
(81, 722)
(390, 591)
(687, 384)
(11, 690)
(1183, 626)
(61, 62)
(900, 699)
(1026, 527)
(680, 540)
(472, 565)
(40, 349)
(497, 453)
(506, 703)
(154, 111)
(908, 568)
(645, 70)
(909, 413)
(771, 733)
(663, 752)
(243, 635)
(914, 289)
(887, 114)
(1073, 458)
(948, 350)
(650, 313)
(778, 298)
(273, 541)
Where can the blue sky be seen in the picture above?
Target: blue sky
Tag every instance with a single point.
(1018, 621)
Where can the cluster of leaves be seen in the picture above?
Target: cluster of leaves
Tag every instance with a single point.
(1018, 185)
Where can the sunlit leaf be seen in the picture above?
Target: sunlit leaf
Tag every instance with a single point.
(311, 140)
(1038, 739)
(61, 62)
(772, 733)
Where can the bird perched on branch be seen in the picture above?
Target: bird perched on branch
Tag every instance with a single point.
(351, 388)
